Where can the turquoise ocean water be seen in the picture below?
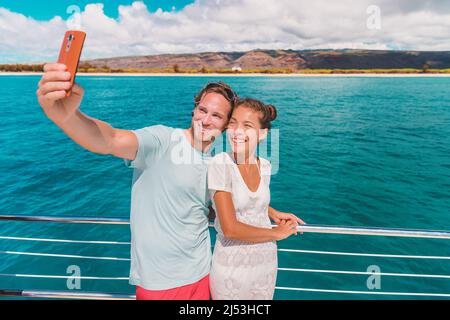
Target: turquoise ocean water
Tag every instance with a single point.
(354, 151)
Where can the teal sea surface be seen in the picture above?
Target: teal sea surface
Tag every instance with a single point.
(354, 151)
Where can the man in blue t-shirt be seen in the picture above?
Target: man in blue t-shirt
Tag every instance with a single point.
(170, 244)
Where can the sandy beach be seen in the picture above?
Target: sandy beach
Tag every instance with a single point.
(240, 74)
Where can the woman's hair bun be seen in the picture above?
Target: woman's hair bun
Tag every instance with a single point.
(272, 110)
(268, 112)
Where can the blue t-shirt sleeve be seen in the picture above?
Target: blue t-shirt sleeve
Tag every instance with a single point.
(153, 141)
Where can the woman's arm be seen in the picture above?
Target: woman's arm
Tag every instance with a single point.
(233, 229)
(273, 215)
(278, 216)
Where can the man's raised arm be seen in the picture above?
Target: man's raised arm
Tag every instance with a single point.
(92, 134)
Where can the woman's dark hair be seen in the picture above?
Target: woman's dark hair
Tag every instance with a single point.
(221, 88)
(268, 111)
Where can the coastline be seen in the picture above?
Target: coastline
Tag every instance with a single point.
(289, 75)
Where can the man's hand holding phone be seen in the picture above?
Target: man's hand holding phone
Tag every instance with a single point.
(52, 92)
(60, 99)
(58, 94)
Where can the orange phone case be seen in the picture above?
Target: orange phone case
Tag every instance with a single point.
(71, 51)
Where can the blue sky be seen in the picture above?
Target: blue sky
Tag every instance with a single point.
(47, 9)
(31, 30)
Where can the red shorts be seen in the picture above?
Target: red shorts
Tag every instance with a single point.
(195, 291)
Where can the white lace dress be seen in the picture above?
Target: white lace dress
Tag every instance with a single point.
(242, 270)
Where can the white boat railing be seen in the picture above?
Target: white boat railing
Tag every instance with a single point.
(324, 229)
(65, 295)
(370, 231)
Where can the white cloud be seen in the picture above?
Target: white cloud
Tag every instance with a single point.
(232, 25)
(25, 39)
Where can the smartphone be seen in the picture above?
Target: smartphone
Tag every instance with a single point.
(70, 53)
